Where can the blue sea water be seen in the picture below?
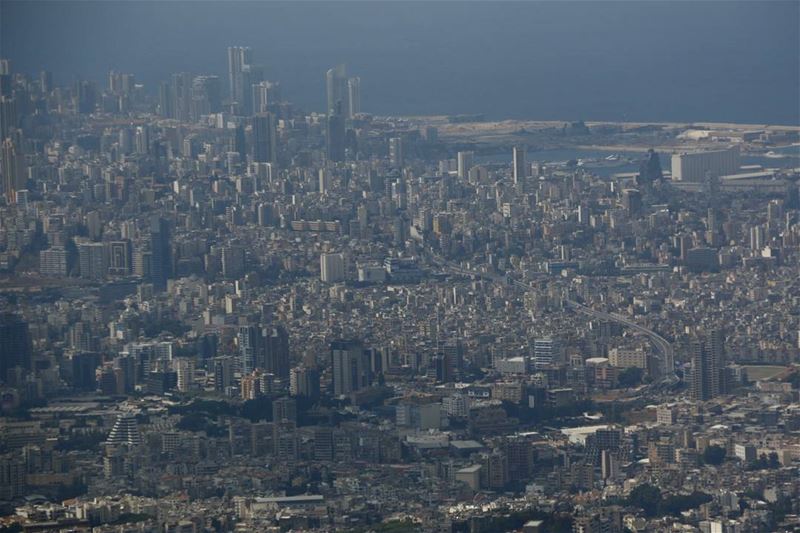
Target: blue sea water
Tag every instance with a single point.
(735, 61)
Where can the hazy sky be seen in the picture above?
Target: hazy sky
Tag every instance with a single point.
(677, 60)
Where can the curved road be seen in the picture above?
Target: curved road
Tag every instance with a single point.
(660, 343)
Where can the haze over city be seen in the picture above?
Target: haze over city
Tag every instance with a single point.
(598, 60)
(393, 267)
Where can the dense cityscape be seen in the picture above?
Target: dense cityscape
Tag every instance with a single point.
(224, 312)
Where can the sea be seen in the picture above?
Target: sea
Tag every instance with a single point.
(660, 61)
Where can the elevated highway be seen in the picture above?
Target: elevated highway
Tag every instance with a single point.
(661, 345)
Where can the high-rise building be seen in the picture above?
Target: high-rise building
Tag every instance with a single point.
(15, 344)
(8, 116)
(650, 169)
(335, 138)
(396, 152)
(13, 170)
(125, 431)
(161, 253)
(251, 345)
(284, 409)
(233, 261)
(206, 96)
(252, 75)
(336, 88)
(53, 261)
(332, 268)
(142, 140)
(464, 163)
(520, 169)
(757, 238)
(323, 444)
(223, 373)
(166, 101)
(184, 367)
(264, 138)
(304, 381)
(546, 351)
(695, 166)
(181, 93)
(353, 97)
(83, 366)
(120, 258)
(239, 57)
(120, 83)
(85, 96)
(350, 366)
(708, 366)
(276, 352)
(92, 260)
(265, 94)
(632, 201)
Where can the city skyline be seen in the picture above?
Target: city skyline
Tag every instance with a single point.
(454, 267)
(555, 75)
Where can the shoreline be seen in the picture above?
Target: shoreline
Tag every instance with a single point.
(444, 120)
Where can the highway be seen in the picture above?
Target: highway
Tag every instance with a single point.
(662, 346)
(666, 354)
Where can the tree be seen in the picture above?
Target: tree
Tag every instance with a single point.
(647, 497)
(630, 377)
(773, 461)
(758, 464)
(676, 504)
(714, 455)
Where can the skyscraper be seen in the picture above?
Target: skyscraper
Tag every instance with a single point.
(650, 169)
(265, 94)
(464, 163)
(8, 115)
(350, 365)
(335, 134)
(85, 96)
(92, 260)
(5, 78)
(239, 57)
(396, 152)
(546, 351)
(181, 93)
(264, 348)
(125, 431)
(233, 261)
(45, 81)
(353, 97)
(520, 164)
(120, 259)
(166, 102)
(331, 268)
(336, 87)
(250, 346)
(708, 366)
(264, 142)
(13, 170)
(252, 76)
(15, 344)
(276, 352)
(160, 249)
(206, 96)
(304, 382)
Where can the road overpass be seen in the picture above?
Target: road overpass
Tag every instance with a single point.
(662, 345)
